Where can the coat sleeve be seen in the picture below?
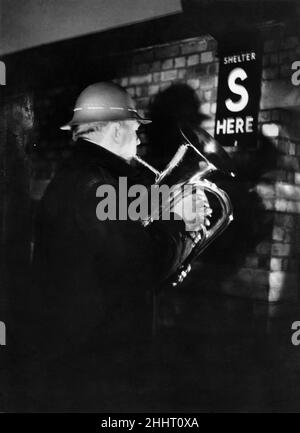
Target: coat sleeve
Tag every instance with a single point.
(126, 247)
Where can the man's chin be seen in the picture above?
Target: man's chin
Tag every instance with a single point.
(129, 158)
(132, 156)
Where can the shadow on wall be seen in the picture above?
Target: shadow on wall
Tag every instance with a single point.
(178, 104)
(252, 225)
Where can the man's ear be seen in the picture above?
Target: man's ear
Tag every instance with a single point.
(117, 130)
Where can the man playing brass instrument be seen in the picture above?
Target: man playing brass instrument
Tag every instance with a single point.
(93, 279)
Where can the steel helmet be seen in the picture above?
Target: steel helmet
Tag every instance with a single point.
(103, 102)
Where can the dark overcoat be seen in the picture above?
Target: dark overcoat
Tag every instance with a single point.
(91, 272)
(86, 316)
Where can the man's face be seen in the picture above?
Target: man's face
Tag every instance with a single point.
(128, 139)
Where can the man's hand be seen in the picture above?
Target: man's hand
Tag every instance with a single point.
(195, 211)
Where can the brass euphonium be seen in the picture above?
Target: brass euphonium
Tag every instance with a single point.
(198, 156)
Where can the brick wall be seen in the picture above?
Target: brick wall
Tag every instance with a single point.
(16, 122)
(191, 61)
(281, 195)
